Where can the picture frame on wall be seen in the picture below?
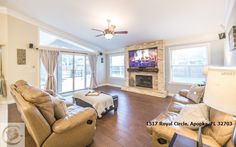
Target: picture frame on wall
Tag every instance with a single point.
(232, 38)
(21, 56)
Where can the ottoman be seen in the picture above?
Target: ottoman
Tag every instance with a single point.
(85, 101)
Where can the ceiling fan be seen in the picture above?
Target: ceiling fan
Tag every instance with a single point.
(109, 32)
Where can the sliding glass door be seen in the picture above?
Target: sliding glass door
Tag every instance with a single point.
(79, 76)
(73, 72)
(66, 73)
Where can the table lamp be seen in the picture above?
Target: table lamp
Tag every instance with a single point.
(220, 91)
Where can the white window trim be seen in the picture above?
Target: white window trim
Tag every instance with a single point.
(113, 55)
(170, 49)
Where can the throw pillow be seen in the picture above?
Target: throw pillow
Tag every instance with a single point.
(196, 93)
(59, 108)
(193, 116)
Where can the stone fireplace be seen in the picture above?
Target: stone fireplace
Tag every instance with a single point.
(145, 80)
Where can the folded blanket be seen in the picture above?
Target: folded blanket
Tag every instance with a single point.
(100, 102)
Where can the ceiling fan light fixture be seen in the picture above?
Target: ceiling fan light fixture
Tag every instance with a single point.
(109, 36)
(109, 32)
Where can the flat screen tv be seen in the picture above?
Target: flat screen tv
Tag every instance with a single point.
(143, 58)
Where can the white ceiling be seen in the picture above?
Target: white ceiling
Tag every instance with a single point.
(146, 20)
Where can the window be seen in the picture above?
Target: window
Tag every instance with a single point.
(117, 66)
(187, 63)
(50, 40)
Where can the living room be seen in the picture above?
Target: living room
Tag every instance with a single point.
(117, 73)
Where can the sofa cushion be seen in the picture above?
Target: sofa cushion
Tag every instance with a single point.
(175, 107)
(68, 103)
(76, 116)
(39, 98)
(229, 143)
(195, 115)
(196, 93)
(183, 100)
(221, 133)
(166, 117)
(59, 108)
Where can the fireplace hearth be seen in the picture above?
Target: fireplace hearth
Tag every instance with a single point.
(143, 81)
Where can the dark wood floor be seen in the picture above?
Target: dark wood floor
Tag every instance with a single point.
(126, 128)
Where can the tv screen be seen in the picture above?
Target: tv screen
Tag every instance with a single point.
(143, 58)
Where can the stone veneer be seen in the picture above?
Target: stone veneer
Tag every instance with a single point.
(158, 78)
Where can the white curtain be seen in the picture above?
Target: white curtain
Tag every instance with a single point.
(3, 87)
(93, 65)
(49, 60)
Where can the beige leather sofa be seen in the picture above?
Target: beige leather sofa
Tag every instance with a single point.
(76, 129)
(214, 136)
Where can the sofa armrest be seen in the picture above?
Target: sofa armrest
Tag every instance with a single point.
(184, 92)
(166, 133)
(77, 117)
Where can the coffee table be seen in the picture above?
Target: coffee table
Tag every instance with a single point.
(81, 100)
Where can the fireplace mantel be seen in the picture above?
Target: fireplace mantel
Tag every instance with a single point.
(142, 70)
(158, 74)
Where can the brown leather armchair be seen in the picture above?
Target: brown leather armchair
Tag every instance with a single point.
(76, 129)
(214, 136)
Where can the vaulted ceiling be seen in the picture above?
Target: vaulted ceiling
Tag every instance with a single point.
(146, 20)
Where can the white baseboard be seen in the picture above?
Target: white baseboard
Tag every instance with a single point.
(108, 84)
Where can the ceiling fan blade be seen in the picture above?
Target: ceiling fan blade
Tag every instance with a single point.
(99, 35)
(121, 32)
(97, 30)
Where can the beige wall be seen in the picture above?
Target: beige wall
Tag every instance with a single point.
(19, 35)
(101, 70)
(3, 37)
(230, 56)
(3, 29)
(216, 59)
